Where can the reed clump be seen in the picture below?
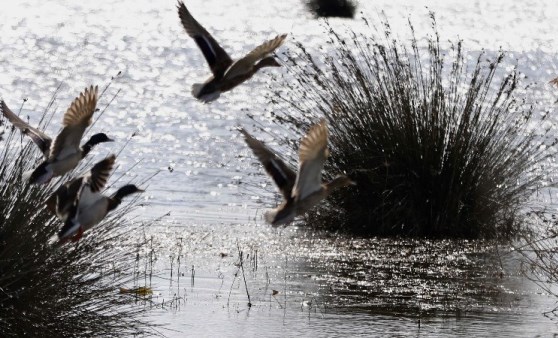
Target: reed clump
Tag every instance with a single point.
(439, 146)
(58, 291)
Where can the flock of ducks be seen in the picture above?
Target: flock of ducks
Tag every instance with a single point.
(80, 203)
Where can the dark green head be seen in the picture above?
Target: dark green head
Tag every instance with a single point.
(99, 138)
(127, 190)
(93, 141)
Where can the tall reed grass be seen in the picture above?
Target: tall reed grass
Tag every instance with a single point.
(58, 291)
(538, 252)
(439, 146)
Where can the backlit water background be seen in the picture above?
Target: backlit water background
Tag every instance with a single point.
(209, 183)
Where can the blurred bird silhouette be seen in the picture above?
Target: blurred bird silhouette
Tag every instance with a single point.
(303, 190)
(226, 73)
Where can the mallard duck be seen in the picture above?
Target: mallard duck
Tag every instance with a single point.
(65, 153)
(62, 200)
(42, 140)
(226, 73)
(303, 190)
(80, 203)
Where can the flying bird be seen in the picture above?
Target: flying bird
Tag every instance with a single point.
(65, 152)
(227, 73)
(42, 140)
(80, 204)
(303, 190)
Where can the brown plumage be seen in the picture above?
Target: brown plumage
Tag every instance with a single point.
(61, 201)
(66, 152)
(81, 204)
(42, 140)
(226, 73)
(303, 190)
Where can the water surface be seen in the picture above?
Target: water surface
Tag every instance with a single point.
(208, 181)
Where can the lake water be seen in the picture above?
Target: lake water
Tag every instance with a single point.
(206, 178)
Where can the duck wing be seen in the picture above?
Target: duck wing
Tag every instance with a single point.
(312, 155)
(80, 192)
(283, 176)
(95, 182)
(71, 221)
(62, 200)
(215, 55)
(42, 140)
(100, 173)
(246, 64)
(76, 119)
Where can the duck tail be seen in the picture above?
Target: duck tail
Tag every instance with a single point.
(270, 215)
(278, 217)
(40, 175)
(206, 97)
(196, 89)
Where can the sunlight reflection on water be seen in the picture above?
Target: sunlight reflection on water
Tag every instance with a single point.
(331, 285)
(207, 179)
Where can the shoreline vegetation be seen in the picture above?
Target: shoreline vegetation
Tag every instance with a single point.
(440, 147)
(59, 291)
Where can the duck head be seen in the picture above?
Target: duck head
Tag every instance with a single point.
(124, 191)
(127, 190)
(99, 138)
(94, 140)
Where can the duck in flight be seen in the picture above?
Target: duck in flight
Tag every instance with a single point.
(226, 73)
(64, 153)
(41, 140)
(80, 204)
(303, 190)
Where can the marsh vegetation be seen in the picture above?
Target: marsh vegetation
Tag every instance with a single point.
(440, 146)
(187, 271)
(59, 291)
